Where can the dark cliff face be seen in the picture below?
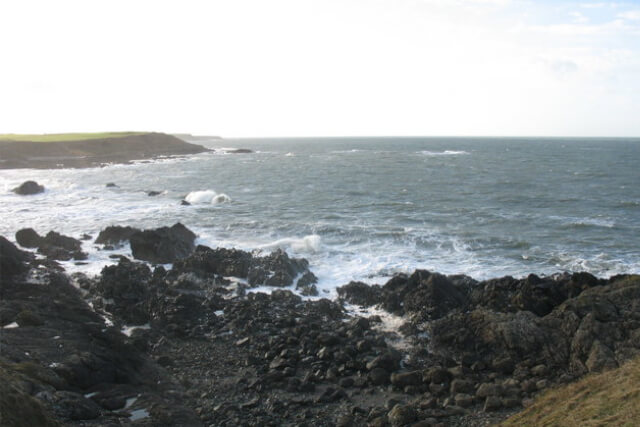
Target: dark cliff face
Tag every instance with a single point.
(92, 152)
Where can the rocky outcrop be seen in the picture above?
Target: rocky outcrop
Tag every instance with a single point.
(28, 188)
(163, 245)
(115, 235)
(12, 260)
(54, 246)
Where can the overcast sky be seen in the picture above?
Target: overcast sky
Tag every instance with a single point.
(321, 68)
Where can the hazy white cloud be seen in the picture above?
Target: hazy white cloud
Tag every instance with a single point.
(632, 15)
(311, 67)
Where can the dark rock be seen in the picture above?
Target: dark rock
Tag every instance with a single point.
(28, 238)
(115, 234)
(492, 403)
(360, 293)
(153, 193)
(276, 269)
(390, 361)
(71, 405)
(28, 318)
(111, 185)
(240, 151)
(60, 247)
(402, 415)
(403, 379)
(163, 245)
(28, 188)
(185, 203)
(12, 260)
(378, 376)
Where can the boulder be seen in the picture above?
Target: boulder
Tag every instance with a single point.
(115, 234)
(360, 293)
(28, 238)
(276, 269)
(60, 247)
(28, 188)
(163, 245)
(12, 260)
(402, 415)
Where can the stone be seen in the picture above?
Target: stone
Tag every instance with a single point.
(461, 386)
(28, 188)
(28, 238)
(115, 235)
(488, 389)
(378, 376)
(163, 245)
(402, 415)
(492, 403)
(403, 379)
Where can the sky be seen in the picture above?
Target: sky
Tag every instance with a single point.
(250, 68)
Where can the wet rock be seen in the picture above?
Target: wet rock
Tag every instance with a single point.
(12, 260)
(153, 193)
(29, 318)
(488, 389)
(115, 235)
(360, 293)
(60, 247)
(28, 188)
(402, 415)
(403, 379)
(378, 376)
(389, 361)
(111, 185)
(163, 245)
(28, 238)
(240, 151)
(276, 269)
(72, 406)
(492, 403)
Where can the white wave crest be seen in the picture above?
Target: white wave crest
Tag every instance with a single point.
(207, 196)
(311, 243)
(443, 153)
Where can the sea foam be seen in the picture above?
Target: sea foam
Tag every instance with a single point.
(207, 196)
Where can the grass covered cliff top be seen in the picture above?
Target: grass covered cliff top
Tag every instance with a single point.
(610, 398)
(64, 137)
(80, 150)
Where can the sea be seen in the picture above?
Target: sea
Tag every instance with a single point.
(366, 208)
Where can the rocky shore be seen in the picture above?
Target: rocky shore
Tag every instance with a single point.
(92, 152)
(141, 344)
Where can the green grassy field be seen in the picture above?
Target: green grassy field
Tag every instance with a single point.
(62, 137)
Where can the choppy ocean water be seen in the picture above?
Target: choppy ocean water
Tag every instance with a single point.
(365, 208)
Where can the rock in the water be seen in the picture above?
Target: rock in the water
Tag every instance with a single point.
(163, 245)
(111, 185)
(153, 193)
(59, 247)
(240, 151)
(28, 238)
(115, 234)
(28, 188)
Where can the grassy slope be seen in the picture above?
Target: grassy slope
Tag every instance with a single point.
(610, 398)
(64, 137)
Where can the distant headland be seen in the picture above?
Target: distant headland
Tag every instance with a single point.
(80, 150)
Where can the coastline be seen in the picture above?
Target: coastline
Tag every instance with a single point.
(91, 152)
(458, 351)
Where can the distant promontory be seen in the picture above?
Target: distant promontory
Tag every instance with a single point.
(80, 150)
